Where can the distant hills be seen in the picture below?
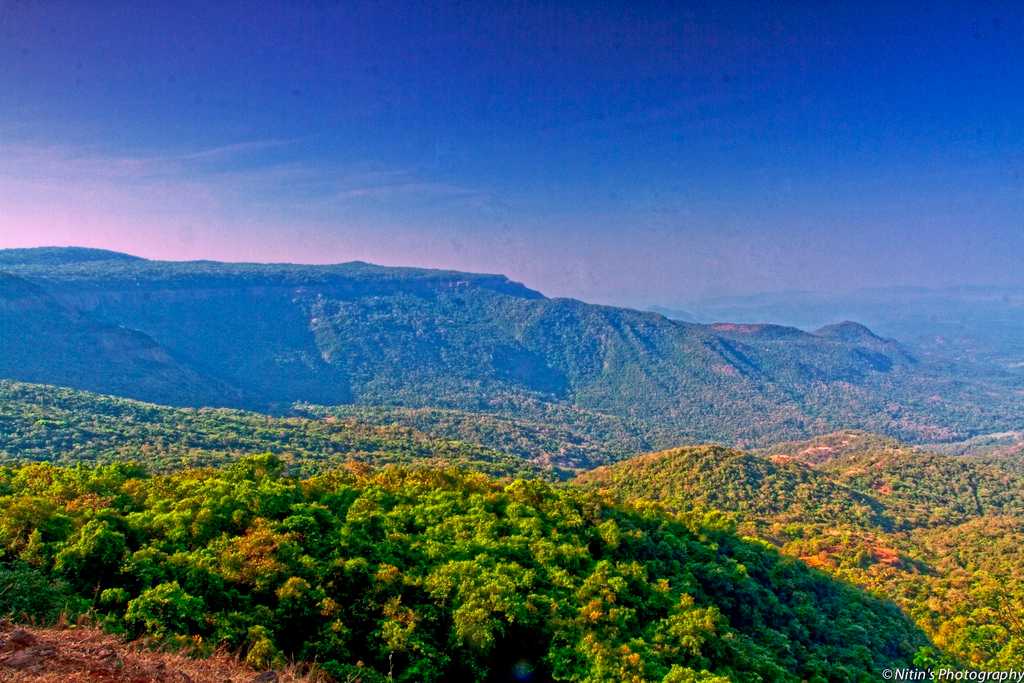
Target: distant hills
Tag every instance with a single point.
(977, 325)
(268, 336)
(54, 256)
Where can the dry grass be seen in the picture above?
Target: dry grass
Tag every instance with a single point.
(80, 654)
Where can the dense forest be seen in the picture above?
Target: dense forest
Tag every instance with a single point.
(415, 574)
(66, 426)
(939, 535)
(935, 534)
(557, 435)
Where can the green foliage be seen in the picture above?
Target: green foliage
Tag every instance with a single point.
(29, 592)
(555, 434)
(726, 479)
(941, 536)
(93, 552)
(921, 487)
(164, 610)
(440, 574)
(52, 424)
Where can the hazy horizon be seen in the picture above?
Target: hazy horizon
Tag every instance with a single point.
(630, 155)
(777, 294)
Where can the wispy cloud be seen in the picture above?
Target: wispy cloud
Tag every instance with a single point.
(57, 161)
(247, 201)
(225, 152)
(402, 185)
(229, 170)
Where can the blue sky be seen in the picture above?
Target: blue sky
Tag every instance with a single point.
(630, 153)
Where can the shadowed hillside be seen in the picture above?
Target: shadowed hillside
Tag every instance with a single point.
(46, 341)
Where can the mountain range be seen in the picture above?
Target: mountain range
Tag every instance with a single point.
(270, 337)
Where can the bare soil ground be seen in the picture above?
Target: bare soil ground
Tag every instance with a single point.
(80, 654)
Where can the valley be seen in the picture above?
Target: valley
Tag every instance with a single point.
(511, 342)
(404, 474)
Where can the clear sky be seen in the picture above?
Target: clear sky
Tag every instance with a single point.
(631, 153)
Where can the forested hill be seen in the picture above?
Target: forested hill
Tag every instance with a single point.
(267, 336)
(940, 535)
(65, 426)
(43, 340)
(425, 575)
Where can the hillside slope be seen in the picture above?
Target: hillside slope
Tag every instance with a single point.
(357, 333)
(924, 486)
(53, 424)
(939, 535)
(46, 341)
(428, 574)
(725, 479)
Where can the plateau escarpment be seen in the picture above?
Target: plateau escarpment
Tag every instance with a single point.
(265, 336)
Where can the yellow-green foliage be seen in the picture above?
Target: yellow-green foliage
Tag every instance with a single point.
(429, 575)
(941, 536)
